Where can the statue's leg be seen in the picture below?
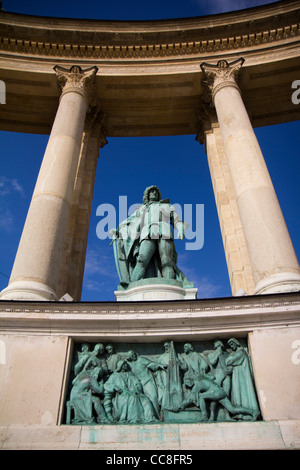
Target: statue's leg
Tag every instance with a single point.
(101, 414)
(235, 409)
(202, 406)
(146, 251)
(166, 257)
(69, 409)
(213, 406)
(107, 404)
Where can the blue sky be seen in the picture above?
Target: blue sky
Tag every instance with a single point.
(126, 166)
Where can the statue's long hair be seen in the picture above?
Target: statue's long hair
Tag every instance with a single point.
(147, 191)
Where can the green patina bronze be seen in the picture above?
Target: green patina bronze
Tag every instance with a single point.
(153, 383)
(144, 243)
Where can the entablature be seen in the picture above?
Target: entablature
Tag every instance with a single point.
(149, 78)
(154, 320)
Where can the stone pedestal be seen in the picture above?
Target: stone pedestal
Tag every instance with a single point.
(156, 289)
(37, 340)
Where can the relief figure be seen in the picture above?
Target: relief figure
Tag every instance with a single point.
(85, 397)
(169, 380)
(142, 367)
(204, 388)
(124, 400)
(242, 388)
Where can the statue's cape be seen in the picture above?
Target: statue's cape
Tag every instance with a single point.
(127, 237)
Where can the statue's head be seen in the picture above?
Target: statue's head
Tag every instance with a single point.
(99, 349)
(187, 348)
(167, 346)
(148, 191)
(218, 344)
(132, 356)
(110, 349)
(234, 343)
(123, 366)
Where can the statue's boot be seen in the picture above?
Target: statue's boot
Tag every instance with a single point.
(168, 273)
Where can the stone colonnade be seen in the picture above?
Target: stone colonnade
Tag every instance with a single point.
(50, 258)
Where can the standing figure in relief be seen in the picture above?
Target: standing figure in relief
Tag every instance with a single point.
(169, 380)
(196, 362)
(222, 373)
(242, 388)
(141, 367)
(217, 358)
(112, 358)
(97, 356)
(124, 400)
(82, 357)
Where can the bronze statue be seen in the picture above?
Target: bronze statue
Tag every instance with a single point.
(144, 243)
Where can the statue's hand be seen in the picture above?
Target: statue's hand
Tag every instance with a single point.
(181, 230)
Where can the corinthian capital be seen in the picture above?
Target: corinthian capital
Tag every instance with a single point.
(78, 80)
(221, 75)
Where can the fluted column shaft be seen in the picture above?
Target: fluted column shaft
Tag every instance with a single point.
(273, 260)
(37, 263)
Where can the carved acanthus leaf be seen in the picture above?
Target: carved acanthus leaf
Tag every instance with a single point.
(222, 74)
(79, 81)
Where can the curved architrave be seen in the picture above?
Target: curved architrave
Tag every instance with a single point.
(149, 79)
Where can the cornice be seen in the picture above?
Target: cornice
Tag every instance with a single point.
(161, 307)
(148, 40)
(151, 321)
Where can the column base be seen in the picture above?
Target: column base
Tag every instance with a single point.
(278, 283)
(28, 290)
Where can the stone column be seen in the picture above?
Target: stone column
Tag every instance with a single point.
(236, 253)
(37, 263)
(73, 260)
(272, 257)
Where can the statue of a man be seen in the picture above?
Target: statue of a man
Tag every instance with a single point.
(144, 243)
